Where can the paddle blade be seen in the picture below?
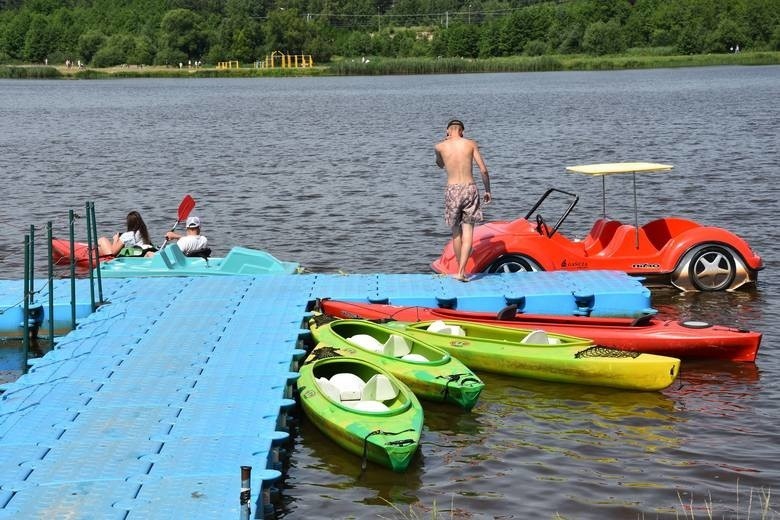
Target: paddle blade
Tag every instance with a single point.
(185, 207)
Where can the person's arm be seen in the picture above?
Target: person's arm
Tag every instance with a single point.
(171, 235)
(484, 171)
(117, 244)
(126, 239)
(439, 158)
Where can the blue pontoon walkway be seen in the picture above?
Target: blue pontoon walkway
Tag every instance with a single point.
(151, 406)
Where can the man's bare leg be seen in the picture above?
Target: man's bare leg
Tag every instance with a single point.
(457, 242)
(466, 240)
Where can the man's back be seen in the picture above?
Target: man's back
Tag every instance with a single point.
(457, 157)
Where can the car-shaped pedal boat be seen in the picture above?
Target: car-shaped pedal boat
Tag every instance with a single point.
(689, 255)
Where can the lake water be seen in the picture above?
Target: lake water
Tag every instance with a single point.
(339, 174)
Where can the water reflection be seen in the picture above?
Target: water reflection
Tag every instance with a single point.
(12, 356)
(742, 308)
(716, 388)
(319, 467)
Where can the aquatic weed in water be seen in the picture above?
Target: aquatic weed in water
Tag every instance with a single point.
(421, 511)
(763, 510)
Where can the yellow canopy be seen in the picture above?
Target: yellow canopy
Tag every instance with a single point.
(612, 168)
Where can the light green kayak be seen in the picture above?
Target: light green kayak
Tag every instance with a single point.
(545, 356)
(170, 261)
(363, 409)
(429, 371)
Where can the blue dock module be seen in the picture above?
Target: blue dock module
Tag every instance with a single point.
(150, 408)
(12, 307)
(580, 293)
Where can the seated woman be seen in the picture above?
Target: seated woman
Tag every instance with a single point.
(133, 242)
(192, 243)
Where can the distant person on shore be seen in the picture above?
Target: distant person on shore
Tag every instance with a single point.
(133, 242)
(192, 242)
(462, 208)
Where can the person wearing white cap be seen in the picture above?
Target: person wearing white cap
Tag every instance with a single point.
(192, 242)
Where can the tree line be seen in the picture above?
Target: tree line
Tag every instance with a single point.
(103, 33)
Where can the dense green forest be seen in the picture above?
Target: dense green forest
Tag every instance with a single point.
(103, 33)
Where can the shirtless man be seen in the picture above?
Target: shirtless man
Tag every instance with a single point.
(456, 155)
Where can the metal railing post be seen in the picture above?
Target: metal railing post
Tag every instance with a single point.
(49, 237)
(26, 304)
(71, 216)
(97, 253)
(89, 260)
(31, 287)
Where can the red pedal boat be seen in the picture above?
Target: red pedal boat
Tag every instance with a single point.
(649, 334)
(60, 249)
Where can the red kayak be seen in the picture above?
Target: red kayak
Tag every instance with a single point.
(60, 250)
(684, 340)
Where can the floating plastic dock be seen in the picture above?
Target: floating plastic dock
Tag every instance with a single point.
(149, 408)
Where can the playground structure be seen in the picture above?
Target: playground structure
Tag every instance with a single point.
(232, 64)
(287, 60)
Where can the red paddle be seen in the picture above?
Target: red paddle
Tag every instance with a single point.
(187, 203)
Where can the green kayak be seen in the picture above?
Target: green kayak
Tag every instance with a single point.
(429, 371)
(170, 261)
(363, 409)
(541, 355)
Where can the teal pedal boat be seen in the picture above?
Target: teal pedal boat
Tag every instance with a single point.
(170, 261)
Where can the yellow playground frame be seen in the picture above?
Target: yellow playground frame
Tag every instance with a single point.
(288, 60)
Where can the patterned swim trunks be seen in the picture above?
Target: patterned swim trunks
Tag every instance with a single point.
(461, 204)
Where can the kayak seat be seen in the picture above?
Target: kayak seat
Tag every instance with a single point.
(437, 326)
(415, 358)
(397, 346)
(379, 388)
(367, 342)
(367, 406)
(328, 388)
(350, 386)
(440, 327)
(456, 330)
(536, 337)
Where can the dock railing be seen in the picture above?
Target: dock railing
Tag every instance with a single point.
(32, 310)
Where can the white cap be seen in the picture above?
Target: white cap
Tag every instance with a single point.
(193, 222)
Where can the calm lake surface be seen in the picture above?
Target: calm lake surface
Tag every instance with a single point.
(339, 174)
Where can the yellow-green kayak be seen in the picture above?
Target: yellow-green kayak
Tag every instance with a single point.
(546, 356)
(430, 372)
(363, 409)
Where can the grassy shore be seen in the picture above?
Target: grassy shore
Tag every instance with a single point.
(400, 66)
(385, 66)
